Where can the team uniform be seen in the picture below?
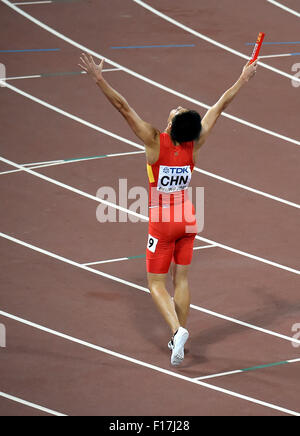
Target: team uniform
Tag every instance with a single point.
(172, 221)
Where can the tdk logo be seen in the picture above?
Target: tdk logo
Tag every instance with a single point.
(177, 170)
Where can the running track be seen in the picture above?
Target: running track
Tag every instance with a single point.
(91, 332)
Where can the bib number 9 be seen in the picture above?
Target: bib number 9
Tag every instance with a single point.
(152, 244)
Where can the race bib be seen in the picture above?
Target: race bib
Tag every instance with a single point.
(152, 244)
(173, 179)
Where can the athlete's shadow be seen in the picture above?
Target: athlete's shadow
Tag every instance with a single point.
(271, 308)
(152, 328)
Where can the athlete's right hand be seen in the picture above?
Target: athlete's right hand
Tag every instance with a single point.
(94, 70)
(249, 71)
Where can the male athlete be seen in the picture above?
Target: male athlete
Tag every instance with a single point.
(171, 157)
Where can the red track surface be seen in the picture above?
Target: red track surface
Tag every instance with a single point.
(49, 371)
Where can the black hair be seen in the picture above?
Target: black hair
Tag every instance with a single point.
(186, 127)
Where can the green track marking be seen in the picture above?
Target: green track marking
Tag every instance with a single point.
(270, 365)
(253, 368)
(142, 256)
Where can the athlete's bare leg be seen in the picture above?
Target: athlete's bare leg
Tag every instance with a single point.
(163, 300)
(182, 297)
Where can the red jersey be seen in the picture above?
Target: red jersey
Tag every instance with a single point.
(171, 175)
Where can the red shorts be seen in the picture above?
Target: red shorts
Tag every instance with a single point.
(170, 238)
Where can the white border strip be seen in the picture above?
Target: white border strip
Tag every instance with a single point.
(210, 40)
(141, 288)
(134, 144)
(151, 82)
(28, 404)
(148, 365)
(279, 5)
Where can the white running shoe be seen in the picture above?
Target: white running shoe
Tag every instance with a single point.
(179, 342)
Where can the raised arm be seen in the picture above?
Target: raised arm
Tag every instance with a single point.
(215, 111)
(144, 131)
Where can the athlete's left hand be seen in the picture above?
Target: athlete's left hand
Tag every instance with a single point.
(94, 70)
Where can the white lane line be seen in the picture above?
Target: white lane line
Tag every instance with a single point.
(47, 75)
(68, 115)
(33, 164)
(205, 246)
(63, 162)
(251, 256)
(293, 360)
(134, 144)
(147, 80)
(78, 265)
(125, 154)
(36, 76)
(122, 259)
(279, 5)
(35, 167)
(247, 188)
(32, 405)
(83, 159)
(276, 56)
(147, 365)
(207, 39)
(141, 288)
(222, 374)
(32, 3)
(142, 217)
(244, 371)
(76, 191)
(107, 70)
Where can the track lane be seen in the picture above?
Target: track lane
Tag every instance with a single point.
(135, 368)
(131, 72)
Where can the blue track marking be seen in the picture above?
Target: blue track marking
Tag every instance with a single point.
(30, 50)
(153, 46)
(274, 43)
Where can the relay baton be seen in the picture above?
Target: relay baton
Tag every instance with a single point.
(257, 47)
